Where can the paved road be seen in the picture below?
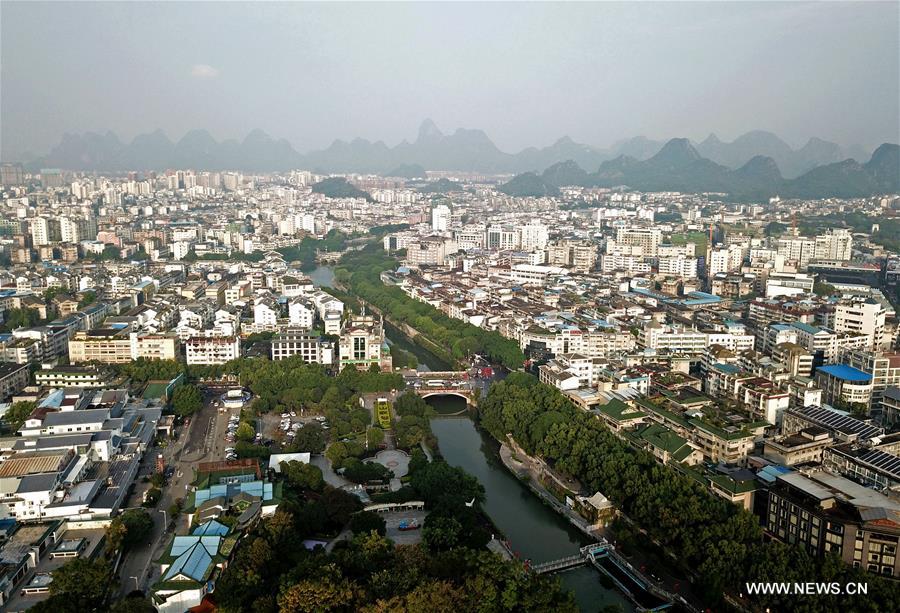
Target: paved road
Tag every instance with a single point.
(203, 441)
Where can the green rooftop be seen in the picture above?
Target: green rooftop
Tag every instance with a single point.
(619, 411)
(662, 438)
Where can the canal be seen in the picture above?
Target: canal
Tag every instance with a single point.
(534, 530)
(323, 276)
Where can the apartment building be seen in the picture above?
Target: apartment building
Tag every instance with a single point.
(312, 349)
(844, 385)
(13, 378)
(212, 349)
(825, 513)
(117, 346)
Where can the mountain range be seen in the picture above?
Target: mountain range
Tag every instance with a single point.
(679, 166)
(754, 165)
(463, 150)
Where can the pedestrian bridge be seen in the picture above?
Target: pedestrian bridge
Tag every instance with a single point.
(646, 595)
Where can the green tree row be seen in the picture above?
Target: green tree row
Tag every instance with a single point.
(719, 541)
(456, 339)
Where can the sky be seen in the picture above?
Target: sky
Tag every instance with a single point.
(527, 74)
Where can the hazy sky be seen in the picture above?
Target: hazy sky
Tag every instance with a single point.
(525, 73)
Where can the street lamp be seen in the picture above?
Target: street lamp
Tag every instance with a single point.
(165, 519)
(136, 586)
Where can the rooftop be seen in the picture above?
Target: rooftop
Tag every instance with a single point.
(846, 373)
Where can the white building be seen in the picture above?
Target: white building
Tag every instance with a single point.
(679, 266)
(861, 316)
(212, 349)
(301, 314)
(440, 218)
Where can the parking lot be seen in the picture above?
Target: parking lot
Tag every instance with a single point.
(404, 537)
(280, 428)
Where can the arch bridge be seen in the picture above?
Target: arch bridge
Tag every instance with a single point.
(449, 383)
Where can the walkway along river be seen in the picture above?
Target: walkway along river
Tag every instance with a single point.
(534, 530)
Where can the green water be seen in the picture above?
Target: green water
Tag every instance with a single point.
(534, 530)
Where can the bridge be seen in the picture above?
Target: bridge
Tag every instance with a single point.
(645, 594)
(561, 564)
(443, 383)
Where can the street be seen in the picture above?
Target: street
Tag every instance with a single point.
(202, 440)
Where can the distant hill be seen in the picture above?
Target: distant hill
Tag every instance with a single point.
(339, 187)
(849, 178)
(712, 162)
(528, 184)
(792, 163)
(678, 166)
(441, 186)
(408, 171)
(565, 173)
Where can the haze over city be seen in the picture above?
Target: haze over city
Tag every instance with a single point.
(526, 74)
(557, 307)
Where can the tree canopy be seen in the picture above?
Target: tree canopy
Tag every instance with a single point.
(719, 541)
(448, 338)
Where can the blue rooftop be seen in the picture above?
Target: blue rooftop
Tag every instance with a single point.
(846, 373)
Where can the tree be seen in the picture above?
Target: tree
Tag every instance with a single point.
(186, 400)
(88, 298)
(441, 533)
(16, 415)
(367, 521)
(19, 318)
(245, 432)
(774, 228)
(366, 472)
(133, 604)
(111, 252)
(115, 535)
(311, 438)
(302, 476)
(152, 497)
(81, 581)
(820, 288)
(438, 482)
(138, 527)
(339, 505)
(374, 436)
(325, 595)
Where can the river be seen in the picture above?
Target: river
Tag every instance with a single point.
(534, 530)
(323, 276)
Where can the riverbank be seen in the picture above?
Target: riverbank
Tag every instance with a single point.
(530, 472)
(530, 527)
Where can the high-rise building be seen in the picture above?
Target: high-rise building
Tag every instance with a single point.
(533, 236)
(51, 177)
(440, 218)
(647, 238)
(861, 316)
(40, 231)
(11, 175)
(836, 244)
